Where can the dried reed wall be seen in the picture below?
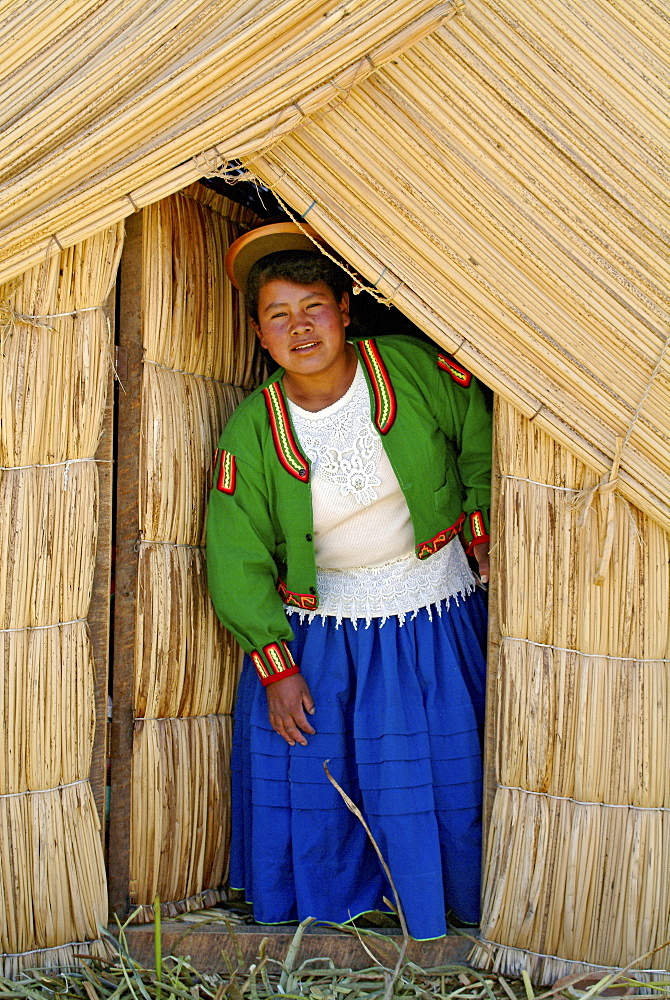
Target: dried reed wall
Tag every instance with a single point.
(199, 360)
(579, 843)
(55, 343)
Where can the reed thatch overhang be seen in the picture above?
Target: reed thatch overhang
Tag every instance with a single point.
(109, 106)
(501, 173)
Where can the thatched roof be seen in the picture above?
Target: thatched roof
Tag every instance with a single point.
(103, 105)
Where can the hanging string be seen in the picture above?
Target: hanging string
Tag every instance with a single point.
(609, 482)
(55, 947)
(583, 500)
(175, 545)
(212, 163)
(358, 285)
(73, 312)
(42, 791)
(646, 392)
(232, 173)
(39, 628)
(9, 316)
(597, 656)
(52, 465)
(605, 489)
(580, 802)
(180, 371)
(548, 486)
(178, 718)
(569, 961)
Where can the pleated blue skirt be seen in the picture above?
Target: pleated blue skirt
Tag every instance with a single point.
(399, 718)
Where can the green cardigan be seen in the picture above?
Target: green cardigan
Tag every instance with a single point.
(436, 430)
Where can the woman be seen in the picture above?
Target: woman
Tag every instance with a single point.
(341, 487)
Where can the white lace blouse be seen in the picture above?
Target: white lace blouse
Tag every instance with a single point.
(363, 537)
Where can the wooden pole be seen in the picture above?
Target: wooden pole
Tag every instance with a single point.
(127, 534)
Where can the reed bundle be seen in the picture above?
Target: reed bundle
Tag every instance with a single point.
(180, 811)
(556, 601)
(612, 749)
(47, 698)
(200, 360)
(579, 840)
(182, 418)
(47, 544)
(52, 877)
(56, 357)
(553, 599)
(534, 214)
(225, 74)
(187, 664)
(192, 314)
(53, 380)
(589, 883)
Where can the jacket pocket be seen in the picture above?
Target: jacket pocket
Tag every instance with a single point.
(280, 554)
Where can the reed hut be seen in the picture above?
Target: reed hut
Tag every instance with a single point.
(498, 173)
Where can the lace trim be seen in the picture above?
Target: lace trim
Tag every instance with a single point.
(342, 444)
(395, 589)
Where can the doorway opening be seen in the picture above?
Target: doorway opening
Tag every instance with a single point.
(174, 677)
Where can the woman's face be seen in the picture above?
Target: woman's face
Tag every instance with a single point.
(302, 326)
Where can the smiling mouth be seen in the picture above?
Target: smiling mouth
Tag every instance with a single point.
(306, 347)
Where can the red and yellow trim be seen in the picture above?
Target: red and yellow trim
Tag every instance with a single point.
(286, 446)
(227, 478)
(437, 542)
(459, 374)
(289, 656)
(386, 406)
(478, 532)
(273, 662)
(306, 602)
(259, 664)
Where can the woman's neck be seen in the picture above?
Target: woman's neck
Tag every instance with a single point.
(316, 392)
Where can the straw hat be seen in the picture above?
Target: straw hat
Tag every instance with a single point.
(257, 243)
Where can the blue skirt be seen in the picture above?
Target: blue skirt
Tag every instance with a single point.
(399, 716)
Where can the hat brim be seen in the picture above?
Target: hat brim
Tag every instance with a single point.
(257, 243)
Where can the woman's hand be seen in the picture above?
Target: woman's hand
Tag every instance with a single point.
(288, 700)
(481, 554)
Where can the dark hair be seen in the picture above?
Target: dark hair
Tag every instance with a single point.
(300, 266)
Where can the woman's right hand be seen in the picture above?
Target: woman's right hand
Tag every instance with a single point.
(288, 700)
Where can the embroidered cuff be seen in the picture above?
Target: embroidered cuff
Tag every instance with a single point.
(432, 545)
(306, 602)
(273, 662)
(476, 529)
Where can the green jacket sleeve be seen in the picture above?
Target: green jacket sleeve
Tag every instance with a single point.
(241, 570)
